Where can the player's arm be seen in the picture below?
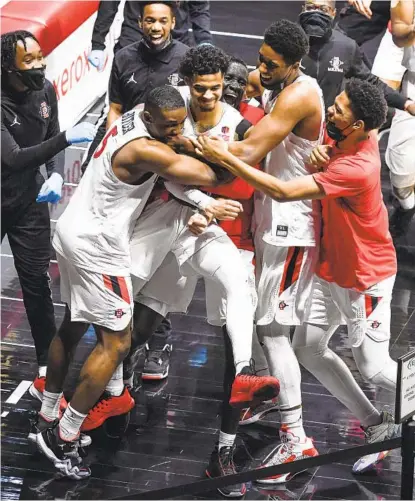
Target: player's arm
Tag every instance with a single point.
(303, 188)
(254, 87)
(290, 108)
(403, 27)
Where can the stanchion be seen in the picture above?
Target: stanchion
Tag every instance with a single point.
(408, 456)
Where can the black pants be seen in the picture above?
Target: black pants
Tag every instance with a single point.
(28, 231)
(230, 415)
(161, 336)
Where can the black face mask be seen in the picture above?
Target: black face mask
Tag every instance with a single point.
(316, 24)
(34, 78)
(335, 133)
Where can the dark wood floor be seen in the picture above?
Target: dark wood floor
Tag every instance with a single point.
(175, 425)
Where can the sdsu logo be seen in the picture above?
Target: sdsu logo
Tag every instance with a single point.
(174, 79)
(336, 65)
(44, 110)
(119, 313)
(282, 305)
(375, 324)
(224, 133)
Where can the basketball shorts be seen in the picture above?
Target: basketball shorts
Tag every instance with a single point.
(364, 313)
(388, 60)
(285, 284)
(96, 298)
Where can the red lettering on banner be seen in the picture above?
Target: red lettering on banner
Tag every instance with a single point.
(56, 85)
(65, 77)
(87, 67)
(78, 75)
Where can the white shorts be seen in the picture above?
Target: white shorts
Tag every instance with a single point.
(285, 285)
(388, 60)
(215, 300)
(95, 298)
(400, 154)
(367, 312)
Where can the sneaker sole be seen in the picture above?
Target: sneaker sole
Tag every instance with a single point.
(257, 416)
(371, 466)
(101, 421)
(154, 377)
(227, 495)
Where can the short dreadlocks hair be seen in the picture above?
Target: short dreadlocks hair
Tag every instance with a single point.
(165, 97)
(288, 40)
(205, 59)
(8, 47)
(367, 103)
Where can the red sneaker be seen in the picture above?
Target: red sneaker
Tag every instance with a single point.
(38, 387)
(248, 388)
(106, 407)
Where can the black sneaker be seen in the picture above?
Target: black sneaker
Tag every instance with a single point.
(221, 464)
(64, 455)
(400, 222)
(40, 424)
(157, 362)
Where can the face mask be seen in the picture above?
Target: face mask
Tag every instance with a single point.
(336, 133)
(34, 78)
(316, 24)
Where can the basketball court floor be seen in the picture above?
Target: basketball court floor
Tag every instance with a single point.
(175, 425)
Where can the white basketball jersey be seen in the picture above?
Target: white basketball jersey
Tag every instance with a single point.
(293, 223)
(95, 229)
(225, 128)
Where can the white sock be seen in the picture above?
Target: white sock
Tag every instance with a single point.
(115, 385)
(50, 405)
(225, 440)
(130, 381)
(42, 371)
(240, 365)
(292, 425)
(70, 424)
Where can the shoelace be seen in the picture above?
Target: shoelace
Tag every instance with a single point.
(226, 460)
(102, 402)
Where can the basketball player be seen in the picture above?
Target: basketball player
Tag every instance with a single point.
(356, 269)
(94, 262)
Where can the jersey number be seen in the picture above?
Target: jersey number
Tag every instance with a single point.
(111, 133)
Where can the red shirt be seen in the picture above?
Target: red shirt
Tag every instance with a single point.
(356, 247)
(239, 230)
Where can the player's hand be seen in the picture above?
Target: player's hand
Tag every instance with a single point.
(181, 144)
(51, 190)
(362, 6)
(212, 149)
(224, 209)
(320, 156)
(410, 107)
(97, 59)
(198, 223)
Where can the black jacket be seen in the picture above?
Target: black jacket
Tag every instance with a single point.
(195, 15)
(333, 61)
(30, 137)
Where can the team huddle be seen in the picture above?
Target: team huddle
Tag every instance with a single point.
(278, 208)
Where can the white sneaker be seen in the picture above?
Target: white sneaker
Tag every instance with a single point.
(291, 449)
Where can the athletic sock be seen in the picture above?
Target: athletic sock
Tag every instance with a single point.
(70, 424)
(225, 440)
(130, 381)
(50, 405)
(42, 371)
(292, 425)
(115, 385)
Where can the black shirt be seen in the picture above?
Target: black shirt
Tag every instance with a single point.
(334, 60)
(195, 15)
(30, 137)
(136, 71)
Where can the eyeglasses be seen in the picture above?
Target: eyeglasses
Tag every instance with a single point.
(308, 7)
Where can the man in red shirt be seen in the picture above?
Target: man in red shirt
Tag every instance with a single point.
(357, 265)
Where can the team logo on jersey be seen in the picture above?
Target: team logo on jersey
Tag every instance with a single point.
(44, 110)
(15, 121)
(282, 305)
(174, 79)
(282, 231)
(375, 324)
(131, 79)
(224, 133)
(336, 65)
(127, 122)
(119, 313)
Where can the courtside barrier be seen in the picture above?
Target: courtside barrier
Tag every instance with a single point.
(404, 412)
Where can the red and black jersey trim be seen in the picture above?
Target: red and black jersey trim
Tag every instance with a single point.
(292, 267)
(370, 304)
(118, 285)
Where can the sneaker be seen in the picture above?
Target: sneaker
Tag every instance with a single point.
(386, 430)
(156, 364)
(108, 406)
(400, 221)
(255, 413)
(287, 452)
(38, 387)
(63, 454)
(248, 388)
(40, 424)
(221, 464)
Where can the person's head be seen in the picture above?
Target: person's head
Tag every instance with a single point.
(203, 69)
(360, 108)
(235, 82)
(22, 61)
(164, 112)
(317, 18)
(157, 20)
(284, 45)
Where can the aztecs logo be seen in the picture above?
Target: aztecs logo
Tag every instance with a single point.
(119, 313)
(282, 305)
(375, 324)
(224, 133)
(44, 110)
(174, 79)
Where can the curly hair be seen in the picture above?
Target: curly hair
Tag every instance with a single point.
(8, 47)
(237, 60)
(172, 5)
(203, 60)
(367, 103)
(288, 40)
(165, 97)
